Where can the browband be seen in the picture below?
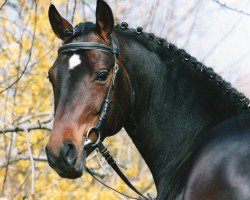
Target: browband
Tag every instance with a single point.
(87, 46)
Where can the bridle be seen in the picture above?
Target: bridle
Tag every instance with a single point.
(76, 46)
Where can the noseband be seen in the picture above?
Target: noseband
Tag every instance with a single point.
(72, 47)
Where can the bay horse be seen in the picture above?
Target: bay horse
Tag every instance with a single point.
(190, 126)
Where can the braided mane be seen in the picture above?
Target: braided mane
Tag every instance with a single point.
(162, 47)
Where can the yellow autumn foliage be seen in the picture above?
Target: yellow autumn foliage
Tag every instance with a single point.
(28, 49)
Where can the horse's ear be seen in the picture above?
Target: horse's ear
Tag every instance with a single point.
(58, 23)
(104, 19)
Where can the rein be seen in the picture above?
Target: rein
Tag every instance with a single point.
(105, 109)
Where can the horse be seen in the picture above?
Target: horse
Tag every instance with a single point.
(190, 126)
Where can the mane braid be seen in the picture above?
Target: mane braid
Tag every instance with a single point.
(159, 45)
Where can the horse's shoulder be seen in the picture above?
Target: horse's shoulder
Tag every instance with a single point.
(221, 167)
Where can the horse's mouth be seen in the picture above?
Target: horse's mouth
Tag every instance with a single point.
(70, 174)
(66, 171)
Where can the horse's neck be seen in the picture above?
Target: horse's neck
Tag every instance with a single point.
(174, 106)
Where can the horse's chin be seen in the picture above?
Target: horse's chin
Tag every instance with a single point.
(70, 174)
(78, 170)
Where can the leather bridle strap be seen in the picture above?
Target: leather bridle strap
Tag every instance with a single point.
(96, 129)
(72, 47)
(76, 46)
(88, 170)
(110, 160)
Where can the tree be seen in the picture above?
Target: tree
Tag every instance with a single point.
(28, 49)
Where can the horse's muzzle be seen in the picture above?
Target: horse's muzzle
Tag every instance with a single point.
(69, 164)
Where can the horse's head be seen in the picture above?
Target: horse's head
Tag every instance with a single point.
(81, 80)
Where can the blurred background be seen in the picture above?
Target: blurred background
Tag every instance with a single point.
(215, 32)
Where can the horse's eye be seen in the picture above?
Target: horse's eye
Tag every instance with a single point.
(102, 75)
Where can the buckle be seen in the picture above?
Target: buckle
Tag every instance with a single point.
(88, 143)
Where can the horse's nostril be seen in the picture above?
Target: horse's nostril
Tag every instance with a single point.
(69, 153)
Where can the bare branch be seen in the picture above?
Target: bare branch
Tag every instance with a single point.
(29, 54)
(88, 5)
(74, 11)
(18, 158)
(1, 7)
(32, 163)
(9, 149)
(28, 117)
(38, 125)
(230, 8)
(223, 38)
